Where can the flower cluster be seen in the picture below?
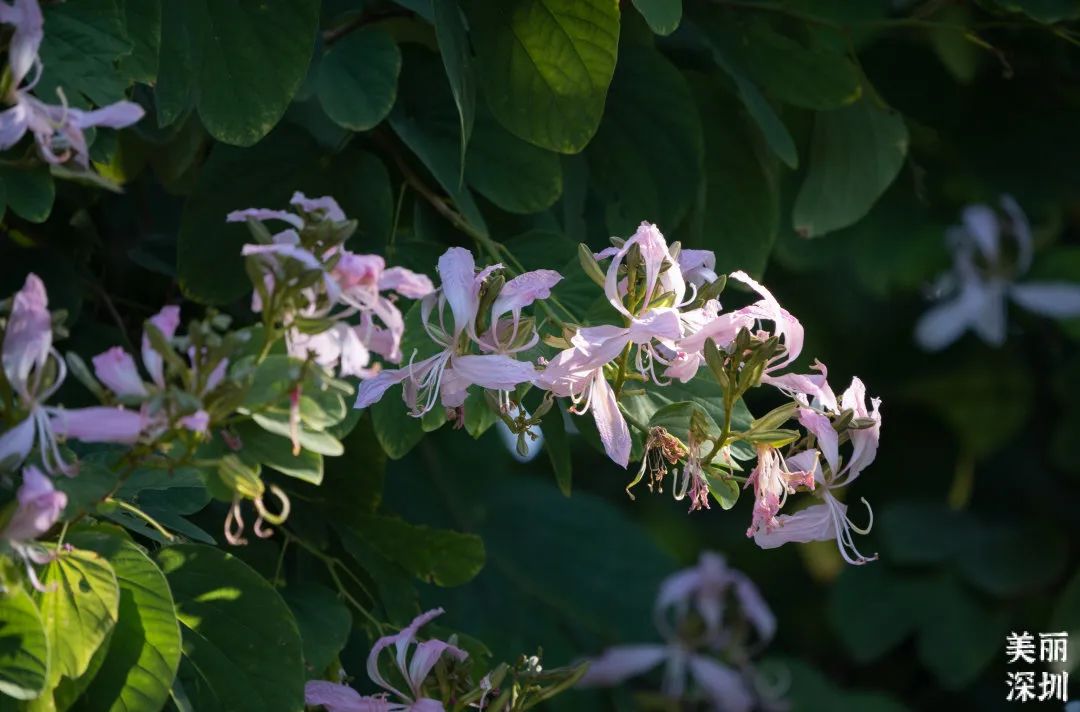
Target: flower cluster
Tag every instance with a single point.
(331, 303)
(987, 270)
(671, 326)
(57, 128)
(706, 638)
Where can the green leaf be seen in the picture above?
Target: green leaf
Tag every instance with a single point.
(557, 445)
(142, 19)
(78, 609)
(926, 532)
(397, 431)
(81, 45)
(241, 61)
(478, 414)
(872, 610)
(357, 81)
(144, 649)
(242, 648)
(317, 442)
(725, 50)
(546, 65)
(646, 159)
(1066, 616)
(1003, 562)
(663, 16)
(740, 206)
(24, 648)
(29, 192)
(855, 153)
(514, 175)
(808, 77)
(426, 120)
(457, 59)
(439, 556)
(275, 451)
(959, 636)
(1046, 11)
(324, 623)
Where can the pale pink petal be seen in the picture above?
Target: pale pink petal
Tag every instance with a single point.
(406, 282)
(989, 321)
(266, 214)
(614, 433)
(426, 704)
(493, 371)
(684, 366)
(424, 658)
(197, 422)
(726, 688)
(828, 439)
(597, 345)
(946, 322)
(981, 224)
(114, 116)
(401, 642)
(28, 337)
(663, 324)
(39, 507)
(753, 605)
(16, 443)
(784, 324)
(815, 523)
(815, 386)
(622, 662)
(326, 205)
(371, 390)
(283, 249)
(26, 17)
(523, 290)
(1058, 300)
(341, 698)
(166, 321)
(698, 266)
(457, 270)
(117, 370)
(864, 441)
(98, 424)
(14, 123)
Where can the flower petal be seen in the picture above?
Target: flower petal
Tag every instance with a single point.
(341, 698)
(406, 282)
(266, 214)
(98, 424)
(28, 337)
(621, 663)
(614, 433)
(39, 507)
(493, 371)
(1059, 300)
(114, 116)
(166, 321)
(457, 271)
(326, 205)
(117, 370)
(726, 688)
(815, 523)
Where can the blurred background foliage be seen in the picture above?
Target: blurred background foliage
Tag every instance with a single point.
(825, 145)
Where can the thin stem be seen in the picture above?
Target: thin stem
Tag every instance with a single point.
(127, 507)
(632, 420)
(620, 377)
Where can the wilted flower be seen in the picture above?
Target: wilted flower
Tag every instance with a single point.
(414, 671)
(773, 479)
(983, 277)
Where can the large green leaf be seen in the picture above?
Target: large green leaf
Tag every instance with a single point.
(646, 159)
(78, 608)
(872, 610)
(357, 81)
(546, 66)
(397, 431)
(144, 649)
(443, 557)
(239, 61)
(557, 446)
(24, 649)
(426, 120)
(855, 153)
(29, 192)
(1066, 616)
(739, 211)
(276, 451)
(514, 175)
(242, 648)
(142, 20)
(83, 40)
(324, 623)
(959, 636)
(457, 59)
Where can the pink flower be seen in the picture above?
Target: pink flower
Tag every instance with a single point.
(704, 589)
(982, 281)
(25, 16)
(447, 375)
(722, 686)
(324, 208)
(40, 505)
(414, 671)
(98, 424)
(698, 266)
(829, 520)
(773, 479)
(165, 321)
(117, 370)
(197, 422)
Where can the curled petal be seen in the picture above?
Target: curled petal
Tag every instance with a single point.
(406, 282)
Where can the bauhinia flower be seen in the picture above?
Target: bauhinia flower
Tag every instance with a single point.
(652, 328)
(38, 506)
(333, 302)
(829, 520)
(696, 618)
(34, 371)
(984, 277)
(413, 671)
(773, 479)
(447, 375)
(57, 129)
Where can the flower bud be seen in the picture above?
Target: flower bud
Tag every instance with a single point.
(589, 265)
